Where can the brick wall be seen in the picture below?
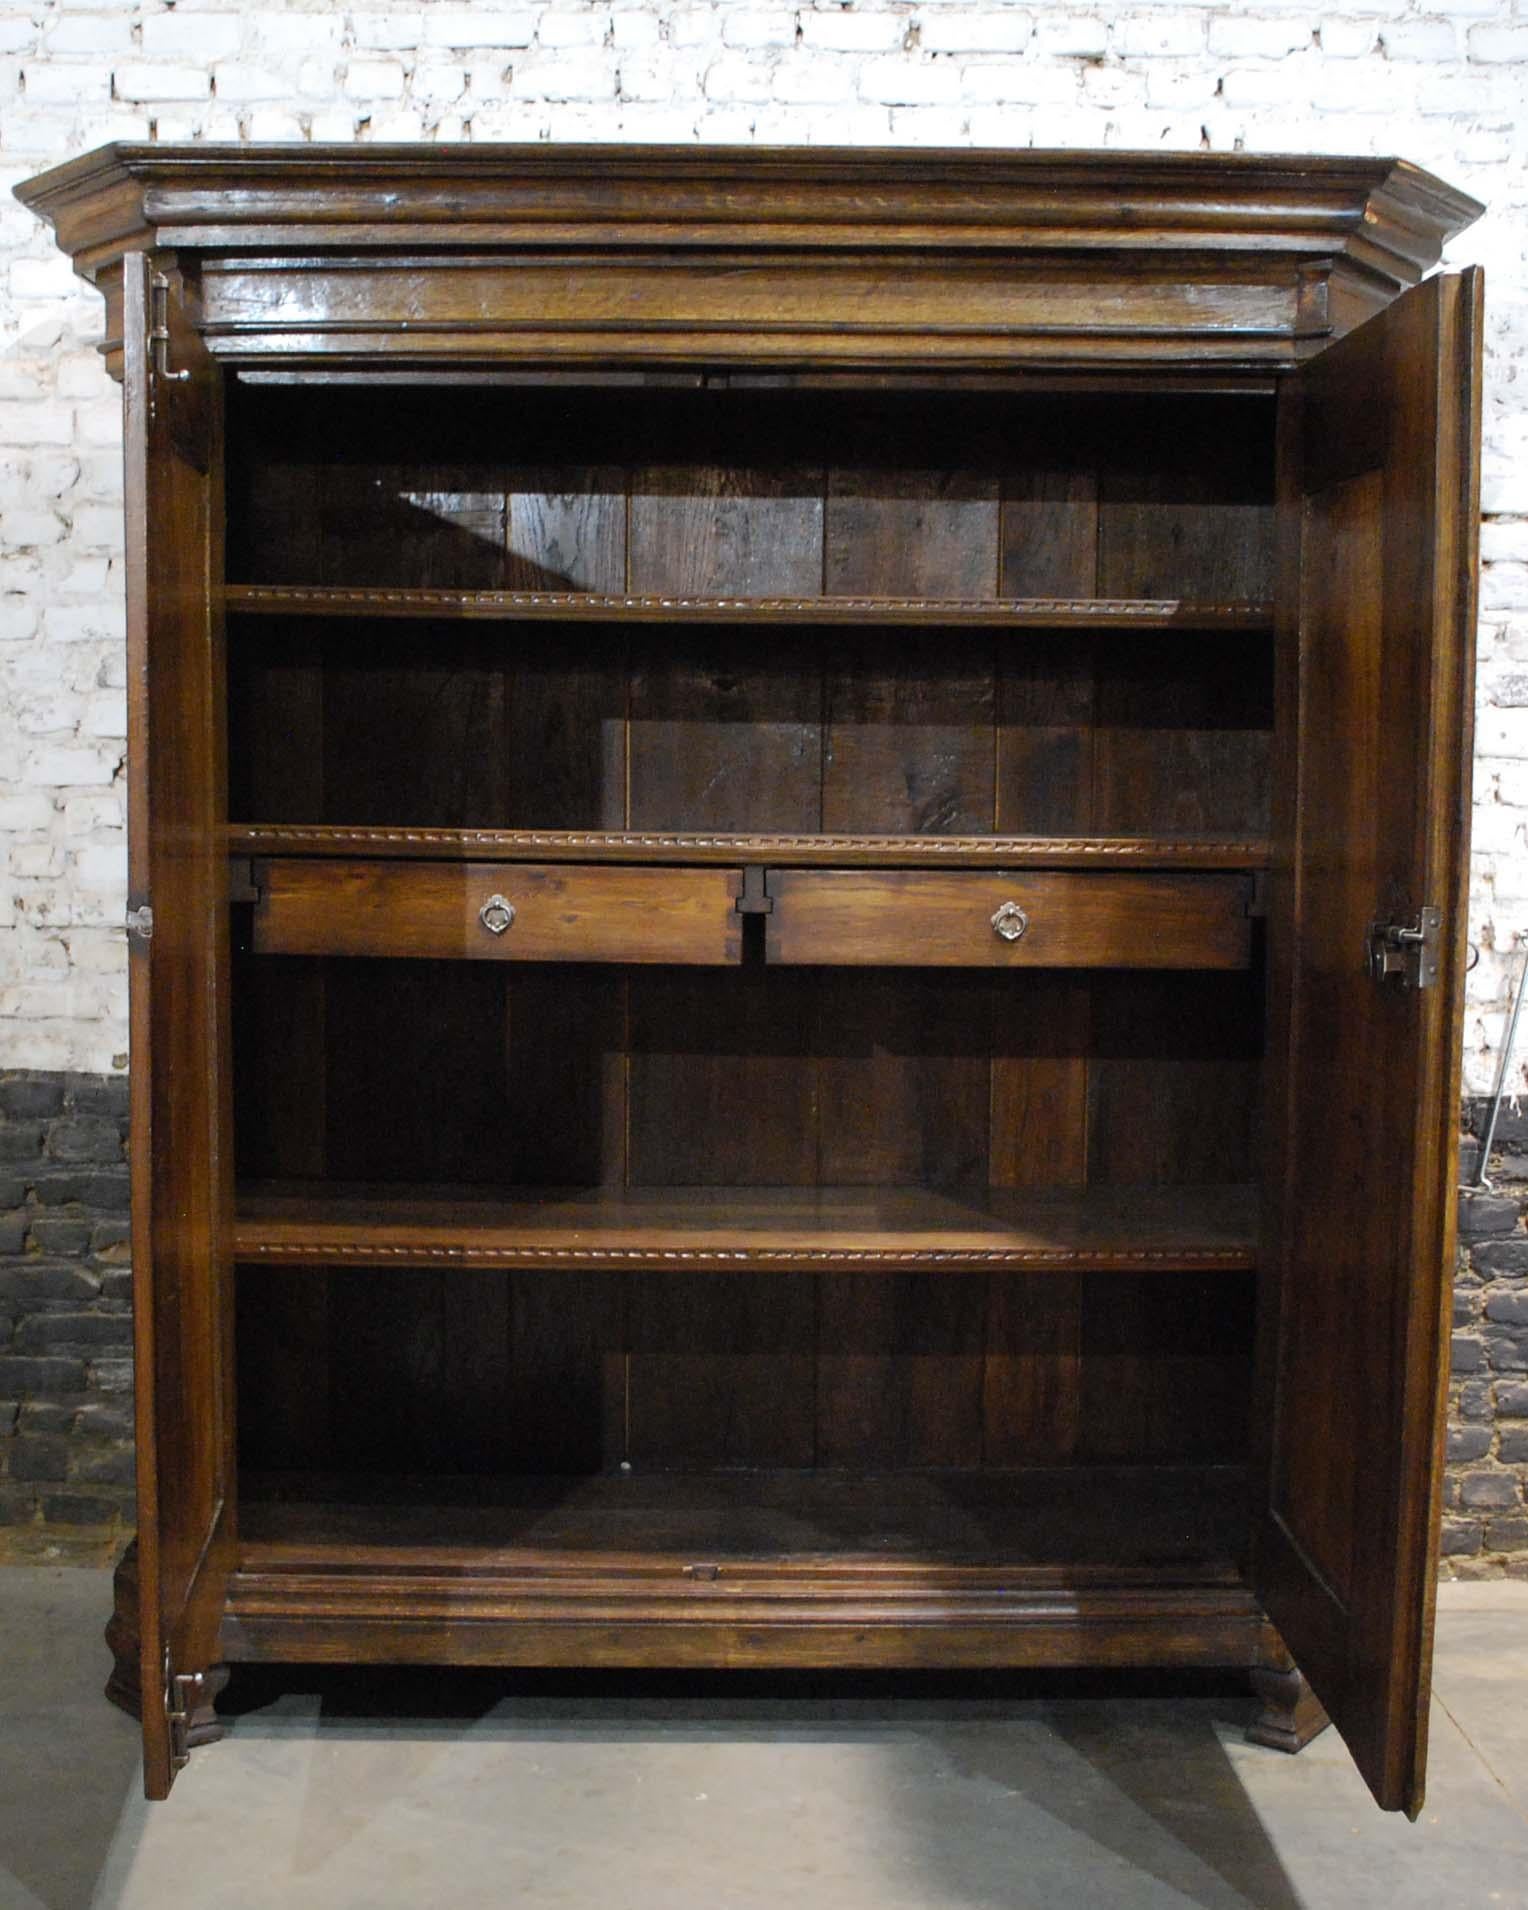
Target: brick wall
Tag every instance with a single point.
(65, 1303)
(1445, 84)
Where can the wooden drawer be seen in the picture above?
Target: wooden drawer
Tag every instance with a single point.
(545, 913)
(909, 918)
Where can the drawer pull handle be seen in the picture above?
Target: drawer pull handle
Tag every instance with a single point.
(496, 914)
(1009, 922)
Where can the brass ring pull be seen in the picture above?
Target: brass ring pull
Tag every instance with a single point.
(1009, 922)
(496, 914)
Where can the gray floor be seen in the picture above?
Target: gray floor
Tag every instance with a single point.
(572, 1795)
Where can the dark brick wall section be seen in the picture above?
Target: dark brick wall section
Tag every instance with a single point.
(1485, 1516)
(66, 1325)
(66, 1371)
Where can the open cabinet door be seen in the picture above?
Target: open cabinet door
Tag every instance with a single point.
(178, 980)
(1379, 500)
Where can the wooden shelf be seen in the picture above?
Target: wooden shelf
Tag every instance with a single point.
(1151, 1229)
(1078, 1565)
(1159, 613)
(786, 851)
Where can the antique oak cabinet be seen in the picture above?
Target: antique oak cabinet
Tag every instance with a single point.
(797, 837)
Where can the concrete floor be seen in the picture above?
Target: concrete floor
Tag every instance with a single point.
(467, 1790)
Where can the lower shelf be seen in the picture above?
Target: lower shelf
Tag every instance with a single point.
(1100, 1228)
(1096, 1566)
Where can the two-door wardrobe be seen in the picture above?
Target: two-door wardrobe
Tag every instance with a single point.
(797, 833)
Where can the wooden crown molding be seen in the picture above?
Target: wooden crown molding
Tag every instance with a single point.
(768, 255)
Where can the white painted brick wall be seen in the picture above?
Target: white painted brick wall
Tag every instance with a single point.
(1446, 84)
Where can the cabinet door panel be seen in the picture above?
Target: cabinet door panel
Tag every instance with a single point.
(1378, 502)
(178, 985)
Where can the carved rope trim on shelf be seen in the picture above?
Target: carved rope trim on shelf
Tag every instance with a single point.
(741, 1256)
(1117, 609)
(281, 834)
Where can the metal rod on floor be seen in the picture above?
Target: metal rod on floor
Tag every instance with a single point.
(1509, 1041)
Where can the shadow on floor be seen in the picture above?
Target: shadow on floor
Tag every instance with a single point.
(1036, 1788)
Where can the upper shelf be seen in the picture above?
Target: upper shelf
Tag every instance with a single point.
(1160, 613)
(830, 849)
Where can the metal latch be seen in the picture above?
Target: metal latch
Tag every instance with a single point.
(159, 331)
(180, 1696)
(1409, 952)
(139, 921)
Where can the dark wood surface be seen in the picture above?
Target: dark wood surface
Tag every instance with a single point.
(181, 1154)
(1380, 502)
(582, 913)
(814, 848)
(1078, 611)
(892, 520)
(929, 919)
(755, 257)
(773, 1569)
(720, 1227)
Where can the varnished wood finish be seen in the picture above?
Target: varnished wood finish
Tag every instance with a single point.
(1017, 613)
(1071, 921)
(776, 1569)
(634, 845)
(758, 566)
(721, 1228)
(1380, 493)
(1291, 1713)
(178, 991)
(421, 909)
(749, 257)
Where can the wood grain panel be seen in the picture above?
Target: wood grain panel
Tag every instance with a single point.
(726, 531)
(723, 1373)
(1031, 1398)
(1049, 534)
(725, 736)
(578, 913)
(923, 918)
(1168, 1380)
(722, 1088)
(903, 1076)
(908, 742)
(1043, 759)
(911, 533)
(899, 1370)
(1182, 743)
(1042, 1036)
(565, 528)
(1174, 1078)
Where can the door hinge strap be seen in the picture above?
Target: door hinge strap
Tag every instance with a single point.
(159, 331)
(181, 1695)
(139, 921)
(1407, 952)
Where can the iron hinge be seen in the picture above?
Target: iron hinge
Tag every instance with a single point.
(1407, 952)
(159, 336)
(180, 1696)
(139, 921)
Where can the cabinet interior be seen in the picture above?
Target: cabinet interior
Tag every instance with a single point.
(798, 616)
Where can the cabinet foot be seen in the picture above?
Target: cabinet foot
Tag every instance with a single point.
(203, 1725)
(123, 1687)
(1291, 1713)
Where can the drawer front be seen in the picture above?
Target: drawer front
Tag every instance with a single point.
(528, 912)
(1045, 919)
